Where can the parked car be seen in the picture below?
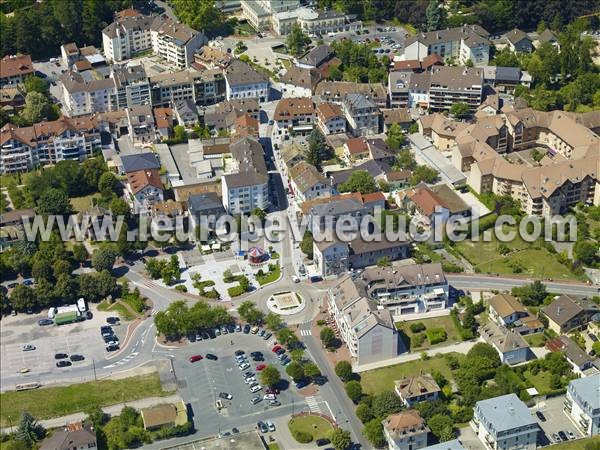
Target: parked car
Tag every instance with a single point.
(43, 322)
(254, 330)
(195, 358)
(255, 388)
(571, 435)
(230, 328)
(563, 435)
(274, 403)
(267, 336)
(28, 347)
(238, 328)
(217, 332)
(240, 352)
(263, 427)
(248, 374)
(280, 352)
(556, 438)
(224, 329)
(112, 348)
(269, 397)
(540, 416)
(244, 366)
(211, 356)
(276, 348)
(302, 383)
(255, 400)
(61, 356)
(250, 380)
(225, 395)
(272, 390)
(271, 425)
(261, 333)
(63, 363)
(260, 367)
(76, 358)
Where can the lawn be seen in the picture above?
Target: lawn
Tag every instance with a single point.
(52, 402)
(316, 426)
(579, 444)
(123, 312)
(541, 381)
(379, 380)
(274, 446)
(269, 277)
(80, 204)
(444, 322)
(534, 262)
(536, 340)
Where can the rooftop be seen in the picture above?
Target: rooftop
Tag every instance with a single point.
(239, 73)
(505, 412)
(13, 65)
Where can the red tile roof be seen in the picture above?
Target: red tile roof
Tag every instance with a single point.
(11, 66)
(142, 178)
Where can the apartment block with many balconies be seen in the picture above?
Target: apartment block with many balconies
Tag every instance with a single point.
(582, 404)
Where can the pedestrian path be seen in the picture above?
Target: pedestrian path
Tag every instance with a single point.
(313, 404)
(305, 333)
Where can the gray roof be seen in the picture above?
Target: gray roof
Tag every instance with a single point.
(375, 169)
(240, 73)
(356, 101)
(456, 78)
(473, 35)
(66, 439)
(337, 207)
(505, 413)
(317, 55)
(399, 81)
(588, 389)
(499, 73)
(141, 161)
(197, 203)
(454, 444)
(515, 36)
(186, 106)
(547, 36)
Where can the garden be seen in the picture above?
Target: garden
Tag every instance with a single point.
(423, 334)
(308, 428)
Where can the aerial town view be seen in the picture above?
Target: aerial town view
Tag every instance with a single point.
(299, 224)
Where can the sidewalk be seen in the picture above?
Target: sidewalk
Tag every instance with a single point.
(461, 347)
(112, 410)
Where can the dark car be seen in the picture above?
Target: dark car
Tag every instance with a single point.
(211, 334)
(231, 328)
(261, 333)
(563, 435)
(112, 347)
(322, 442)
(63, 363)
(240, 352)
(43, 322)
(205, 336)
(540, 416)
(76, 358)
(225, 396)
(280, 351)
(248, 374)
(267, 336)
(211, 356)
(302, 383)
(262, 427)
(246, 329)
(61, 356)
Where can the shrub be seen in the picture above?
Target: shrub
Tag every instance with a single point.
(417, 327)
(436, 335)
(417, 340)
(236, 291)
(321, 322)
(302, 436)
(181, 288)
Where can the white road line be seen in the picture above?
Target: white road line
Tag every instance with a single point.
(305, 333)
(313, 404)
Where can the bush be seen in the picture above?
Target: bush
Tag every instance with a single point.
(236, 291)
(181, 288)
(417, 340)
(436, 335)
(302, 436)
(417, 327)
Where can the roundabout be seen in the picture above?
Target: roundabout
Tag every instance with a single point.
(286, 303)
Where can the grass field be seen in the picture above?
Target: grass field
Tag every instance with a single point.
(536, 340)
(47, 403)
(270, 276)
(541, 381)
(123, 312)
(80, 204)
(535, 262)
(578, 444)
(318, 427)
(444, 322)
(378, 380)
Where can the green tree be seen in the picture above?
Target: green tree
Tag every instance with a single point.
(327, 336)
(287, 337)
(22, 298)
(80, 253)
(29, 430)
(36, 107)
(442, 427)
(295, 371)
(435, 14)
(405, 160)
(531, 294)
(360, 181)
(104, 258)
(108, 184)
(260, 213)
(297, 355)
(270, 376)
(586, 252)
(297, 41)
(373, 431)
(41, 269)
(363, 412)
(33, 83)
(395, 137)
(460, 110)
(311, 370)
(91, 171)
(386, 403)
(250, 313)
(306, 245)
(54, 202)
(423, 174)
(179, 133)
(340, 439)
(201, 15)
(354, 390)
(273, 321)
(343, 369)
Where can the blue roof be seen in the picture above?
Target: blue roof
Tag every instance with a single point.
(448, 445)
(588, 388)
(505, 412)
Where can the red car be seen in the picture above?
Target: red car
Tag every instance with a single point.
(276, 348)
(260, 367)
(273, 391)
(195, 358)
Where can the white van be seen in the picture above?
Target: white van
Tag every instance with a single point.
(81, 306)
(51, 313)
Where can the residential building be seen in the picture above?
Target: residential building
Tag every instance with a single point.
(78, 58)
(138, 161)
(15, 68)
(518, 41)
(361, 114)
(509, 344)
(330, 119)
(310, 21)
(175, 42)
(450, 85)
(165, 120)
(11, 223)
(140, 124)
(204, 210)
(426, 153)
(331, 257)
(416, 389)
(398, 116)
(327, 213)
(506, 78)
(299, 81)
(132, 87)
(580, 361)
(167, 216)
(505, 423)
(186, 113)
(164, 415)
(204, 88)
(505, 309)
(436, 203)
(307, 183)
(568, 313)
(242, 81)
(297, 114)
(144, 188)
(12, 97)
(368, 331)
(25, 148)
(74, 436)
(454, 444)
(291, 155)
(260, 13)
(84, 94)
(337, 91)
(546, 36)
(247, 186)
(468, 42)
(415, 65)
(405, 430)
(316, 57)
(356, 149)
(582, 403)
(209, 57)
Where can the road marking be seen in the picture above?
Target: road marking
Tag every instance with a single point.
(305, 333)
(313, 404)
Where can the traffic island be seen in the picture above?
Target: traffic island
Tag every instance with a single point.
(286, 303)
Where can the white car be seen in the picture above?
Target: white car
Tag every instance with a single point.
(271, 425)
(256, 388)
(28, 347)
(250, 380)
(269, 397)
(244, 366)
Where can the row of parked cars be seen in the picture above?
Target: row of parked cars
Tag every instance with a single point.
(110, 338)
(64, 360)
(212, 333)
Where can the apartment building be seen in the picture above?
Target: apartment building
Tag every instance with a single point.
(505, 423)
(25, 148)
(247, 185)
(361, 114)
(223, 115)
(203, 88)
(15, 68)
(311, 21)
(518, 41)
(368, 331)
(582, 404)
(307, 183)
(242, 81)
(260, 13)
(297, 114)
(132, 33)
(468, 42)
(132, 87)
(506, 309)
(330, 119)
(144, 189)
(336, 91)
(299, 82)
(84, 94)
(405, 430)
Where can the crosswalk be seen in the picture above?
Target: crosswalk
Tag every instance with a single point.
(122, 361)
(305, 333)
(313, 404)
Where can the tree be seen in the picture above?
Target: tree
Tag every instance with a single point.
(202, 15)
(343, 369)
(383, 261)
(405, 160)
(297, 41)
(395, 137)
(91, 171)
(80, 253)
(311, 370)
(318, 149)
(435, 14)
(41, 269)
(460, 110)
(354, 390)
(62, 267)
(360, 181)
(531, 294)
(386, 403)
(250, 313)
(33, 83)
(373, 431)
(108, 184)
(442, 427)
(179, 133)
(486, 351)
(287, 337)
(297, 355)
(29, 431)
(104, 258)
(327, 336)
(54, 202)
(270, 376)
(586, 253)
(260, 214)
(340, 439)
(306, 245)
(363, 412)
(295, 371)
(36, 107)
(22, 298)
(273, 321)
(423, 174)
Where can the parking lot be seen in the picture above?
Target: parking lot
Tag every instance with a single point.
(80, 338)
(556, 420)
(201, 382)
